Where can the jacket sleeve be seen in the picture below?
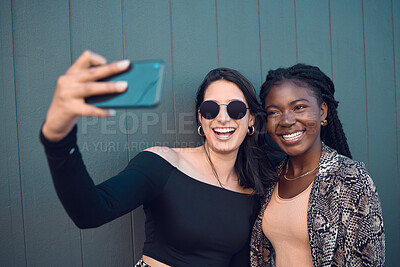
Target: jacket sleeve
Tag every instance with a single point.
(363, 230)
(261, 251)
(90, 205)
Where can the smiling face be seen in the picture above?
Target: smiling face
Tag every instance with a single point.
(294, 119)
(224, 134)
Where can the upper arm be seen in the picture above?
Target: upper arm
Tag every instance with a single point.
(364, 233)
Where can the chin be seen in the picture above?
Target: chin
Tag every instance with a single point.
(224, 148)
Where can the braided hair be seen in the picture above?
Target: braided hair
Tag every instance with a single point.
(323, 89)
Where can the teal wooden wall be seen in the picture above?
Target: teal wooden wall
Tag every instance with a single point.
(356, 42)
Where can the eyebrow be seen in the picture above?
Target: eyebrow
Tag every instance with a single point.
(298, 100)
(291, 103)
(229, 100)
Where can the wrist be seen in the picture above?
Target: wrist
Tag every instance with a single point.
(50, 134)
(55, 132)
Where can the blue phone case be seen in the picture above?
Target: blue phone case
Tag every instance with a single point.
(145, 83)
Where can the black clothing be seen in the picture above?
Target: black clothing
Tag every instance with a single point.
(188, 222)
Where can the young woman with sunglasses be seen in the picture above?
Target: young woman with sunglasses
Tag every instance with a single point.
(200, 203)
(324, 210)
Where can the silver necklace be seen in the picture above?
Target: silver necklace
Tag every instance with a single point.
(212, 167)
(298, 177)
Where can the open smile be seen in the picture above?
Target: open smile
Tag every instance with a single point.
(224, 133)
(291, 138)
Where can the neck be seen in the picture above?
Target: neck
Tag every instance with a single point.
(223, 163)
(305, 162)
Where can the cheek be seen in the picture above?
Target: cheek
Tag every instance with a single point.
(243, 125)
(271, 125)
(312, 121)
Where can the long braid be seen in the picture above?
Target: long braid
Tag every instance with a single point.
(324, 89)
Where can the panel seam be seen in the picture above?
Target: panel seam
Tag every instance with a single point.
(259, 40)
(295, 29)
(132, 224)
(173, 74)
(395, 88)
(365, 82)
(17, 132)
(216, 22)
(330, 36)
(71, 51)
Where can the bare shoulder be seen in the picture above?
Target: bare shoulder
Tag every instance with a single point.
(167, 153)
(175, 156)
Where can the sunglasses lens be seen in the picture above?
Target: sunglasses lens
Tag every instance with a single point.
(237, 109)
(209, 109)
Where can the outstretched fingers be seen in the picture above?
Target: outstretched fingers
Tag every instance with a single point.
(86, 60)
(102, 71)
(92, 111)
(99, 88)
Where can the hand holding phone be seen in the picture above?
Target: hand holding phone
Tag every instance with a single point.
(81, 81)
(145, 83)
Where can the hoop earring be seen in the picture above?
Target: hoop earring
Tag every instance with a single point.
(324, 123)
(252, 131)
(199, 131)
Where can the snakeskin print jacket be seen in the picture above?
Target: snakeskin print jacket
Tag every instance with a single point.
(344, 217)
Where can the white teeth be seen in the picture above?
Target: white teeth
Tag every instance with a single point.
(292, 135)
(224, 130)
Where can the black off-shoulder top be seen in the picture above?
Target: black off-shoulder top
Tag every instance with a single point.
(188, 222)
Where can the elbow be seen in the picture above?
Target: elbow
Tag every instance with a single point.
(86, 225)
(84, 222)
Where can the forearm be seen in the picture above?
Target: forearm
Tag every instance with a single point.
(84, 203)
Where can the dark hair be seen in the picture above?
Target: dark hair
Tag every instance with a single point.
(323, 88)
(252, 164)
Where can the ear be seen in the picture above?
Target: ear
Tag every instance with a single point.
(199, 115)
(252, 120)
(324, 111)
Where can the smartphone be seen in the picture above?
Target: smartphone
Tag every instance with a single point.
(145, 83)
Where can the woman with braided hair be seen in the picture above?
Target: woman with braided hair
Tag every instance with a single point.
(324, 210)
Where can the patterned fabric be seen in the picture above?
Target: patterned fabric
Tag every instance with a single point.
(141, 263)
(344, 217)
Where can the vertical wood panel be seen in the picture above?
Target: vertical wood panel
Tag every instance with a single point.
(313, 37)
(148, 36)
(98, 26)
(396, 50)
(348, 73)
(381, 116)
(194, 55)
(42, 53)
(278, 35)
(12, 249)
(238, 38)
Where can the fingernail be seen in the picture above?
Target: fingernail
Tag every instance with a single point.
(121, 85)
(99, 58)
(111, 112)
(123, 64)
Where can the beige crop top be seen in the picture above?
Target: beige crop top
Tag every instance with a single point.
(285, 225)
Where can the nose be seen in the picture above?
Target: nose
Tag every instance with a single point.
(287, 119)
(223, 115)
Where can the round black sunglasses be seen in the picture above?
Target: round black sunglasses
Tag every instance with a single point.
(236, 109)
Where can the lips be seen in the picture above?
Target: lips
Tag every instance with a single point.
(224, 133)
(293, 137)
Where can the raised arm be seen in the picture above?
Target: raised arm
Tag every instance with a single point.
(89, 205)
(81, 81)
